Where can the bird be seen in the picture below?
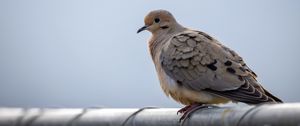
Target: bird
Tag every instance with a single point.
(196, 69)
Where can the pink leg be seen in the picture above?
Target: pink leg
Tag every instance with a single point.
(182, 110)
(189, 109)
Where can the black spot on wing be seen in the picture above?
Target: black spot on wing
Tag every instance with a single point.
(228, 63)
(179, 83)
(212, 66)
(230, 70)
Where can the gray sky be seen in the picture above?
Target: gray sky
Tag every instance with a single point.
(71, 53)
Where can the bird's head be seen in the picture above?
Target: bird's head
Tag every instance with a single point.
(158, 21)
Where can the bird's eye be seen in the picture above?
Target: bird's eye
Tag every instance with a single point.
(156, 20)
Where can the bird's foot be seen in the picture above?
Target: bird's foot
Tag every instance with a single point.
(184, 109)
(187, 110)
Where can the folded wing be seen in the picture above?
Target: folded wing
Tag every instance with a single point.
(199, 62)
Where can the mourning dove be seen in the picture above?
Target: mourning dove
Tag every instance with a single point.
(195, 68)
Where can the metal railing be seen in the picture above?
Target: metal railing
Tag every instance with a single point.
(287, 114)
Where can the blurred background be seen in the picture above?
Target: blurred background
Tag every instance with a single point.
(86, 53)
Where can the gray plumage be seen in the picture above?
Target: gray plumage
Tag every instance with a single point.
(193, 67)
(199, 62)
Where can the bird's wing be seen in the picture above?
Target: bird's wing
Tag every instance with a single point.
(199, 62)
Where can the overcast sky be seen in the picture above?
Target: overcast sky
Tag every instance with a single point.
(71, 53)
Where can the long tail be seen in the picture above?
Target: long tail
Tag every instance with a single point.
(272, 96)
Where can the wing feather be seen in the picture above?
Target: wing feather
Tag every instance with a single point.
(200, 62)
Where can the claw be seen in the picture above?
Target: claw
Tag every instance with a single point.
(183, 117)
(187, 110)
(182, 110)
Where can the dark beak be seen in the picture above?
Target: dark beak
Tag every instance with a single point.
(142, 29)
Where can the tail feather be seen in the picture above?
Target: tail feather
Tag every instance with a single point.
(272, 96)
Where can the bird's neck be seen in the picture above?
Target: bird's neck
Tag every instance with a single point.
(158, 40)
(156, 43)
